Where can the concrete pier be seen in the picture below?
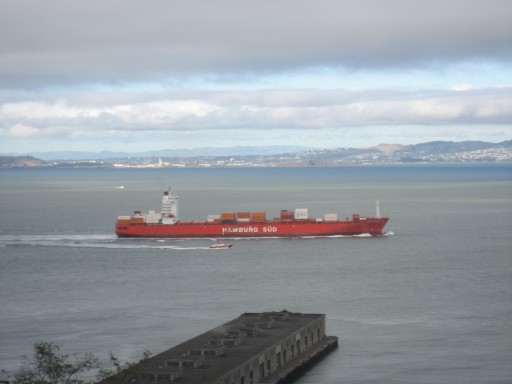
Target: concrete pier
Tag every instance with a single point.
(265, 347)
(292, 370)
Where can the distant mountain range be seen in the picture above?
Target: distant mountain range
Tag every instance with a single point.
(275, 156)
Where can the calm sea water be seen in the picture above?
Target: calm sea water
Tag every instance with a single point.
(429, 303)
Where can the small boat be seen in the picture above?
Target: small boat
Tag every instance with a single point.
(219, 245)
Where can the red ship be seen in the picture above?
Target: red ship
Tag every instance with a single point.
(290, 223)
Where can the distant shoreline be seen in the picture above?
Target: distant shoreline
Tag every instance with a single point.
(439, 152)
(419, 165)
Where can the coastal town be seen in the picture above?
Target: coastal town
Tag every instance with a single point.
(319, 158)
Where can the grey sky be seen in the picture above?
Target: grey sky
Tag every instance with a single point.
(62, 41)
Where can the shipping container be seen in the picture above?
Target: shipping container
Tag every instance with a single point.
(258, 217)
(285, 214)
(212, 218)
(301, 214)
(153, 217)
(330, 217)
(228, 217)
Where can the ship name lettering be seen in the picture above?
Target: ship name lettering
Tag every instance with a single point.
(269, 229)
(240, 230)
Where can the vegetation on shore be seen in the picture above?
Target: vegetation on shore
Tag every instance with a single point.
(49, 366)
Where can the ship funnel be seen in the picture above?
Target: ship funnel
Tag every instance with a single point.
(377, 209)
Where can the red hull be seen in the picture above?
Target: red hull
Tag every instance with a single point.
(295, 228)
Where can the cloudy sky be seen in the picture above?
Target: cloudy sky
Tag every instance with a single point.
(131, 75)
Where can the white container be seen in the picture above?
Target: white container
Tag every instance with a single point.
(330, 217)
(301, 214)
(152, 217)
(212, 218)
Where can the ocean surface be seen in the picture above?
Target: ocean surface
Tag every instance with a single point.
(430, 302)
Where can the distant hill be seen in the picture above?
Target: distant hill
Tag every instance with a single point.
(453, 146)
(431, 152)
(20, 161)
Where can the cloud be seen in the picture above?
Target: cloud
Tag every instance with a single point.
(462, 87)
(256, 110)
(58, 42)
(22, 131)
